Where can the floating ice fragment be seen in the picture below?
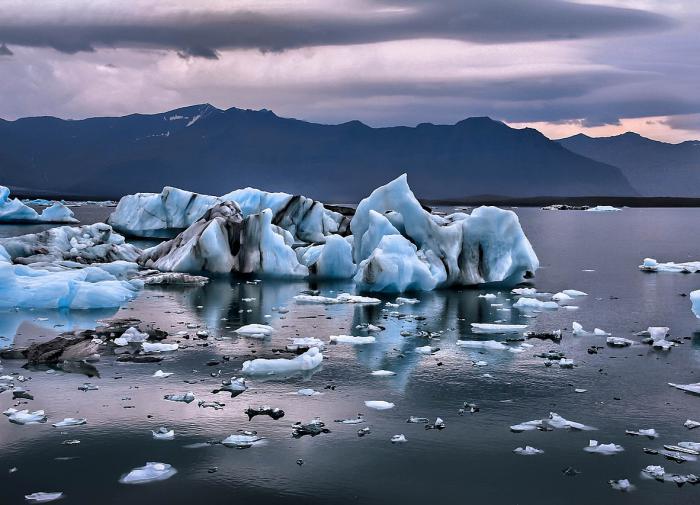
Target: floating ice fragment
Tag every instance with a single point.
(129, 336)
(307, 392)
(355, 420)
(410, 301)
(150, 473)
(25, 417)
(574, 293)
(383, 373)
(255, 330)
(580, 390)
(621, 485)
(482, 344)
(307, 361)
(398, 439)
(42, 497)
(525, 303)
(417, 420)
(619, 342)
(88, 387)
(159, 347)
(648, 432)
(606, 449)
(186, 397)
(349, 339)
(603, 208)
(651, 265)
(694, 446)
(163, 433)
(305, 343)
(439, 424)
(488, 296)
(578, 331)
(312, 428)
(566, 363)
(242, 441)
(527, 451)
(690, 424)
(379, 405)
(341, 298)
(695, 301)
(497, 328)
(70, 421)
(160, 374)
(689, 388)
(425, 349)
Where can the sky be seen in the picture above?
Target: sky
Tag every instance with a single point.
(601, 67)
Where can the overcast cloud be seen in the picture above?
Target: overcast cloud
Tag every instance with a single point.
(594, 64)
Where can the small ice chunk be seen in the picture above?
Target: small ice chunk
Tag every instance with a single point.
(25, 417)
(561, 297)
(482, 344)
(398, 439)
(606, 449)
(341, 298)
(307, 361)
(526, 303)
(602, 208)
(693, 446)
(383, 373)
(355, 420)
(158, 347)
(689, 388)
(619, 341)
(645, 432)
(150, 473)
(306, 342)
(690, 424)
(379, 405)
(70, 421)
(426, 349)
(527, 451)
(160, 374)
(497, 328)
(163, 433)
(307, 392)
(488, 296)
(578, 331)
(409, 301)
(129, 336)
(574, 293)
(42, 497)
(621, 485)
(255, 330)
(241, 441)
(566, 363)
(349, 339)
(186, 397)
(654, 471)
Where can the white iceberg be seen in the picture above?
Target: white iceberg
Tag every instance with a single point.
(241, 441)
(426, 349)
(603, 208)
(399, 439)
(350, 339)
(160, 374)
(333, 259)
(13, 210)
(690, 424)
(379, 405)
(605, 449)
(497, 328)
(151, 472)
(383, 373)
(255, 330)
(307, 361)
(578, 331)
(619, 342)
(695, 302)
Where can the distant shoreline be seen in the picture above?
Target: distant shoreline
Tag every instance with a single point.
(470, 201)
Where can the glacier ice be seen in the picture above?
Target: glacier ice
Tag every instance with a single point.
(307, 361)
(13, 210)
(333, 259)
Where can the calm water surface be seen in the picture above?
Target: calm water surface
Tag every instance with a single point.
(470, 460)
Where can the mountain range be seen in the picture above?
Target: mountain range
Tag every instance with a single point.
(209, 150)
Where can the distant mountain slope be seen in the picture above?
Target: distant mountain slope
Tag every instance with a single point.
(653, 168)
(214, 151)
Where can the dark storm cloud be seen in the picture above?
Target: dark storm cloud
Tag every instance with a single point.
(203, 33)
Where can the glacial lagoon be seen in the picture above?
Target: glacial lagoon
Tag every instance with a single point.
(470, 459)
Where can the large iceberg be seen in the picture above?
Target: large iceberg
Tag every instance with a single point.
(165, 214)
(396, 245)
(13, 210)
(487, 246)
(95, 243)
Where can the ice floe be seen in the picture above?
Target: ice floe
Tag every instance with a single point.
(553, 421)
(255, 330)
(43, 497)
(151, 472)
(70, 421)
(185, 397)
(482, 344)
(379, 405)
(602, 208)
(25, 416)
(689, 388)
(341, 298)
(578, 331)
(130, 335)
(695, 302)
(163, 433)
(159, 347)
(621, 485)
(619, 342)
(242, 440)
(687, 267)
(307, 361)
(160, 374)
(527, 451)
(350, 339)
(526, 303)
(383, 373)
(497, 328)
(605, 449)
(399, 439)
